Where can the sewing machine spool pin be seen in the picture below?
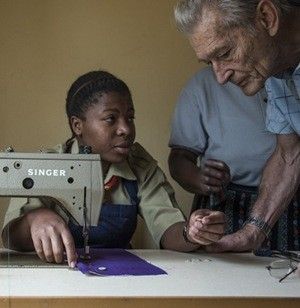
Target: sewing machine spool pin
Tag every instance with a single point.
(85, 231)
(85, 149)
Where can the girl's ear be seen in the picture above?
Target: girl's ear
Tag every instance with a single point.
(76, 125)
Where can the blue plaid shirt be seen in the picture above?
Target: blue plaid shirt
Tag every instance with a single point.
(283, 108)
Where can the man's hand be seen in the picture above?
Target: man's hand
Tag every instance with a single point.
(51, 236)
(205, 226)
(246, 239)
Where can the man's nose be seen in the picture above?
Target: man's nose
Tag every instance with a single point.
(222, 73)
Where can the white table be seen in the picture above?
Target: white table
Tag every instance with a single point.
(193, 280)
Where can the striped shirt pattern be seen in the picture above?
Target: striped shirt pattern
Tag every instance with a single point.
(283, 108)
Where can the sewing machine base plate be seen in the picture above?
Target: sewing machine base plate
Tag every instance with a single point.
(10, 258)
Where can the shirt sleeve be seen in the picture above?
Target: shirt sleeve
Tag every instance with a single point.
(187, 129)
(20, 206)
(157, 205)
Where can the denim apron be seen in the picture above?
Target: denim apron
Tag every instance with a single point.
(237, 208)
(116, 225)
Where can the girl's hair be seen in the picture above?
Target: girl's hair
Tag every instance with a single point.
(86, 91)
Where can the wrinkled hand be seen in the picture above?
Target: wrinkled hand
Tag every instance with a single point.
(206, 226)
(246, 239)
(51, 236)
(215, 175)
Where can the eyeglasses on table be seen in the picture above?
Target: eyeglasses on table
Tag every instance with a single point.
(284, 266)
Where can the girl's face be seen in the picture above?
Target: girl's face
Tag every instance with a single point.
(108, 127)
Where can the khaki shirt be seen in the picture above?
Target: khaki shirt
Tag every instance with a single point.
(157, 206)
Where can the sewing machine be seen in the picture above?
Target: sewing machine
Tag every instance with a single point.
(71, 182)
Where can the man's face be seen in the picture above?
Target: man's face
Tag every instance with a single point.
(236, 55)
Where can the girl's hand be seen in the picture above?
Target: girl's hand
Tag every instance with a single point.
(51, 236)
(206, 227)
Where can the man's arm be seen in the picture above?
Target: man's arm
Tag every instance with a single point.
(209, 179)
(280, 181)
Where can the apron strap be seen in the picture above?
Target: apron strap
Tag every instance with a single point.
(131, 187)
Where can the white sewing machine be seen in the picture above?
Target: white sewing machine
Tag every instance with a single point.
(72, 181)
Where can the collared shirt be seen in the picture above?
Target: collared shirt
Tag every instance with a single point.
(157, 206)
(283, 108)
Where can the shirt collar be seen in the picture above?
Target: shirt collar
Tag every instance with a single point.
(122, 170)
(75, 147)
(287, 74)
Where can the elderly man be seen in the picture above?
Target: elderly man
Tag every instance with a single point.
(251, 43)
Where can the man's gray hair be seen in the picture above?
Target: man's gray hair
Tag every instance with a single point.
(241, 13)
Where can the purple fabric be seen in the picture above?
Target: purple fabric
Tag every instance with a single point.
(116, 262)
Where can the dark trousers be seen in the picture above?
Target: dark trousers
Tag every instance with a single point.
(237, 207)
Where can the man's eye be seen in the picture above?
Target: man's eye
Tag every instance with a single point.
(224, 55)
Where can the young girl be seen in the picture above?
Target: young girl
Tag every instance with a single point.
(101, 115)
